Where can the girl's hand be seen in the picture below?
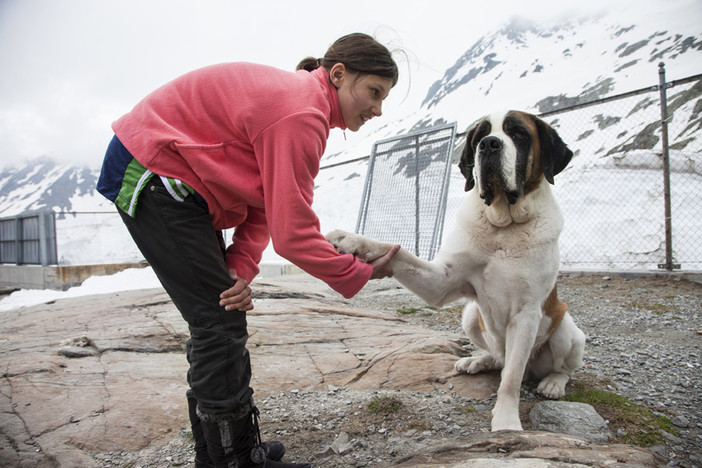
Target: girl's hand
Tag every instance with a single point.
(381, 265)
(238, 297)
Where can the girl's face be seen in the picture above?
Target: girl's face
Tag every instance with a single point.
(360, 96)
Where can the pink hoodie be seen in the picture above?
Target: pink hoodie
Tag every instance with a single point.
(249, 138)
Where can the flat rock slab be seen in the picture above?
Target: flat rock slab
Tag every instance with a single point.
(532, 449)
(107, 372)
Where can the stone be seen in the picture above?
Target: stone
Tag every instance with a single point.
(77, 351)
(578, 419)
(342, 444)
(681, 421)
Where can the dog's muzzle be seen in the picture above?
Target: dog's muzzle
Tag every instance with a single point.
(490, 152)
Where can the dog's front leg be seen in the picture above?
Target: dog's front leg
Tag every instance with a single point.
(434, 282)
(519, 341)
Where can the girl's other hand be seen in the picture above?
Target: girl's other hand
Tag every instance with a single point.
(238, 297)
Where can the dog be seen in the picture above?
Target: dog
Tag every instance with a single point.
(502, 255)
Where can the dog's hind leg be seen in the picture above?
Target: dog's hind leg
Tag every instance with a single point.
(564, 351)
(555, 375)
(477, 364)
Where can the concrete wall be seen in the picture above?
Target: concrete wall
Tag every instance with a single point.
(55, 277)
(270, 270)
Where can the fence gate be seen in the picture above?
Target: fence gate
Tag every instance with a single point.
(29, 238)
(404, 198)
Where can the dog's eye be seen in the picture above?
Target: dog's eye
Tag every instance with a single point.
(519, 135)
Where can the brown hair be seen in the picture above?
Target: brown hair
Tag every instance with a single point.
(359, 53)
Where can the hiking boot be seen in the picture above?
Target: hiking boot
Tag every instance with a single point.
(237, 443)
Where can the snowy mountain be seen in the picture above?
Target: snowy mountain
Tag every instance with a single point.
(524, 66)
(540, 68)
(45, 184)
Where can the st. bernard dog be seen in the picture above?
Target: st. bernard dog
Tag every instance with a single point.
(502, 255)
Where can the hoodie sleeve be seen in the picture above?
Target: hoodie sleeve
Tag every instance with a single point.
(249, 241)
(288, 154)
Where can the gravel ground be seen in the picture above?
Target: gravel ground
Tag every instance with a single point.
(644, 343)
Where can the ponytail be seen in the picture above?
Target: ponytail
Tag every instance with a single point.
(309, 64)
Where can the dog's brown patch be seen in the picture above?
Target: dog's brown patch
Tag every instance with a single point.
(554, 308)
(535, 172)
(481, 324)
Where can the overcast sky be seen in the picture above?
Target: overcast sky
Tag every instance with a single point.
(71, 67)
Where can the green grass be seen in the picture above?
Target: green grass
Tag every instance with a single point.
(466, 409)
(384, 405)
(656, 308)
(641, 426)
(414, 310)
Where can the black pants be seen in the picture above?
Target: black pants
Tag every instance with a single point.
(186, 253)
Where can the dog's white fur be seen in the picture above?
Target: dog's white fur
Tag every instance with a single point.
(504, 258)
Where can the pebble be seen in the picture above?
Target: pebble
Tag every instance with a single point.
(680, 421)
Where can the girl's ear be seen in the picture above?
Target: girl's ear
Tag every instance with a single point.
(336, 74)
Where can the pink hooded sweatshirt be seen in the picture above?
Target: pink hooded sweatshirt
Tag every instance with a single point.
(249, 138)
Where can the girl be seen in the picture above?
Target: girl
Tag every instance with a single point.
(238, 145)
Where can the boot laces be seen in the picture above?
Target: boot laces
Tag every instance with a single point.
(259, 452)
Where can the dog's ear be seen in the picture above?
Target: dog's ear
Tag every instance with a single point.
(468, 160)
(555, 155)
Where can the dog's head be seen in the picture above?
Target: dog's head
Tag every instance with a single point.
(509, 154)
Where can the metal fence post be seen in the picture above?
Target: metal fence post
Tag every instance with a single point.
(662, 85)
(47, 238)
(417, 190)
(19, 258)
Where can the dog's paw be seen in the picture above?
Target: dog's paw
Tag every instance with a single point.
(336, 236)
(505, 414)
(505, 422)
(364, 248)
(475, 364)
(553, 385)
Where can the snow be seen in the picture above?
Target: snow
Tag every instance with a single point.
(130, 279)
(108, 236)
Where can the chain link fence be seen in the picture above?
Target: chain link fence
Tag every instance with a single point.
(636, 204)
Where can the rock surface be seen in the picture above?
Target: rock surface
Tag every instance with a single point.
(528, 449)
(107, 372)
(88, 380)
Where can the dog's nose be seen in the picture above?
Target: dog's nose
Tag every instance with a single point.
(490, 144)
